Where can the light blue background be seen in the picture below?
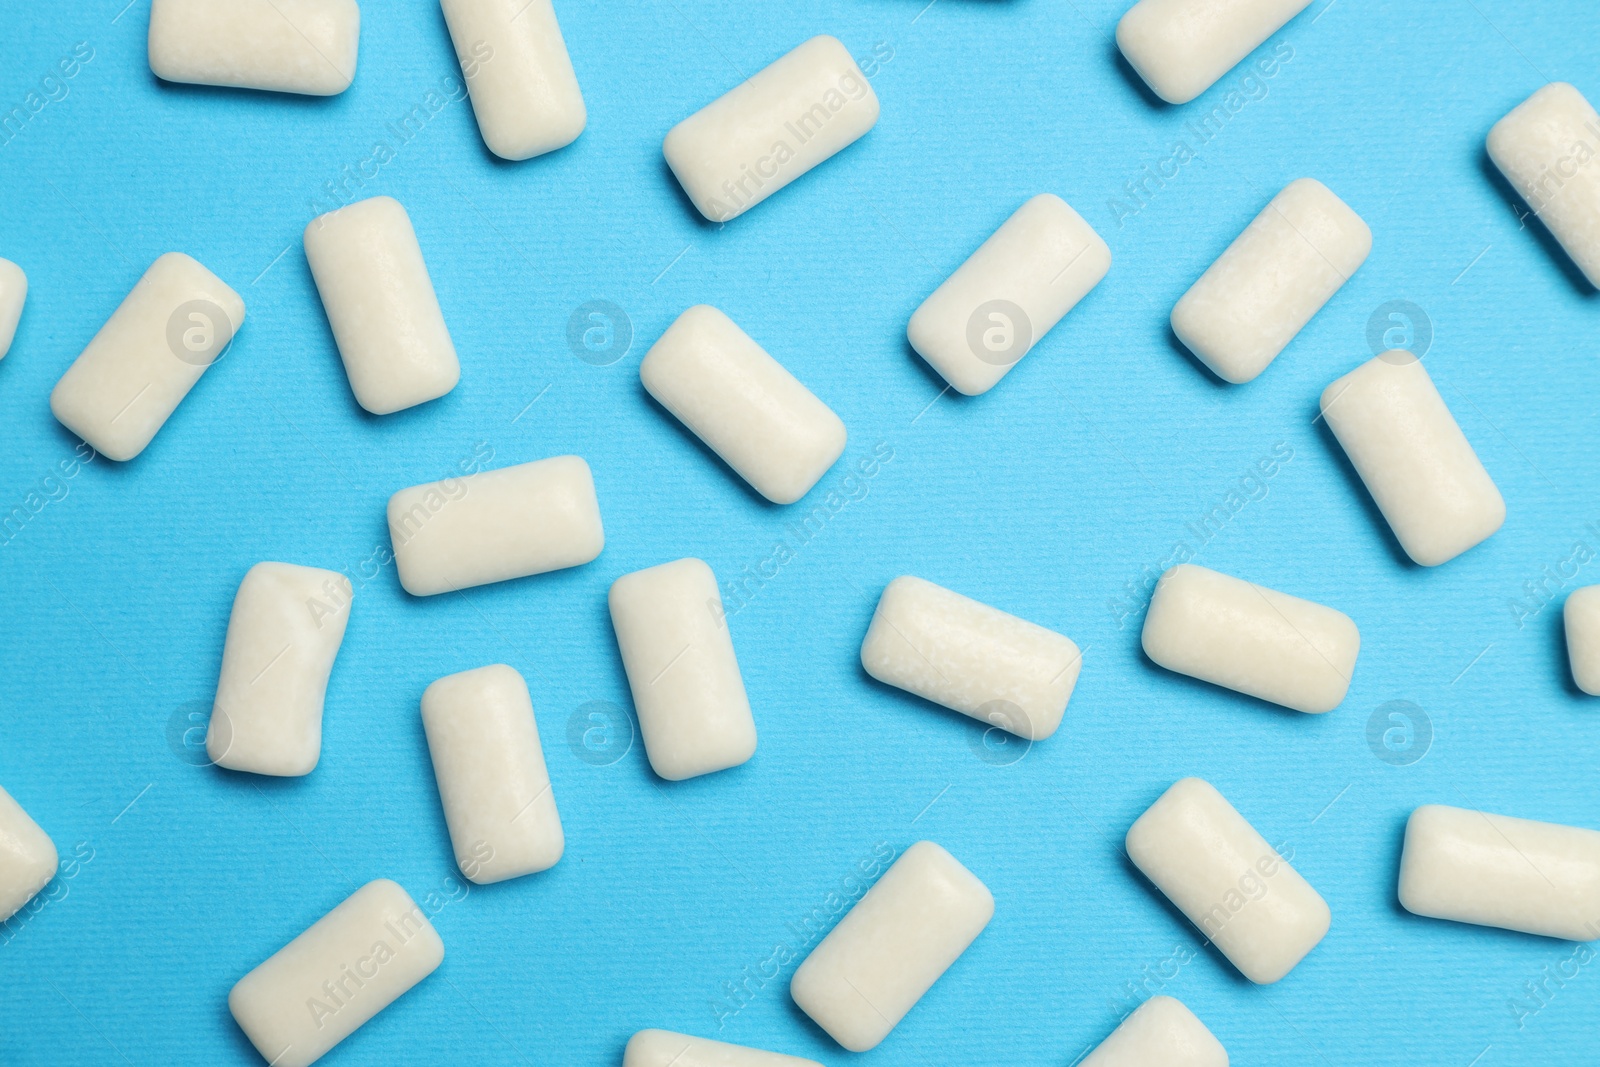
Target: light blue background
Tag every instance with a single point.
(1044, 497)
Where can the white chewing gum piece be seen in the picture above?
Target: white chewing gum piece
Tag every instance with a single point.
(1008, 294)
(663, 1048)
(491, 772)
(1215, 868)
(694, 715)
(1251, 639)
(495, 525)
(1181, 47)
(285, 46)
(766, 132)
(1553, 132)
(175, 323)
(1493, 870)
(1161, 1032)
(283, 635)
(27, 857)
(1413, 458)
(743, 404)
(13, 294)
(1276, 275)
(524, 91)
(351, 964)
(889, 949)
(1581, 618)
(971, 658)
(381, 305)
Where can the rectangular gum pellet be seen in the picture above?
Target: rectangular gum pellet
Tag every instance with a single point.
(351, 964)
(1244, 897)
(1493, 870)
(13, 294)
(1581, 619)
(663, 1048)
(381, 305)
(1413, 457)
(1251, 639)
(743, 404)
(694, 715)
(971, 658)
(286, 46)
(1009, 294)
(1545, 148)
(1181, 47)
(889, 949)
(495, 526)
(130, 379)
(1161, 1032)
(287, 624)
(524, 91)
(765, 132)
(491, 772)
(27, 857)
(1272, 279)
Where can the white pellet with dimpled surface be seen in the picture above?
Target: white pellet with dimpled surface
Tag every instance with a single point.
(1181, 47)
(694, 716)
(1161, 1032)
(1008, 294)
(1272, 279)
(1493, 870)
(1581, 618)
(347, 967)
(1548, 148)
(490, 767)
(496, 525)
(13, 294)
(283, 635)
(889, 949)
(1251, 639)
(1413, 457)
(764, 133)
(1222, 874)
(663, 1048)
(381, 305)
(124, 386)
(286, 46)
(27, 857)
(743, 404)
(524, 91)
(971, 658)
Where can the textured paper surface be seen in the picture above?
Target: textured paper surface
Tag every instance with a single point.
(677, 903)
